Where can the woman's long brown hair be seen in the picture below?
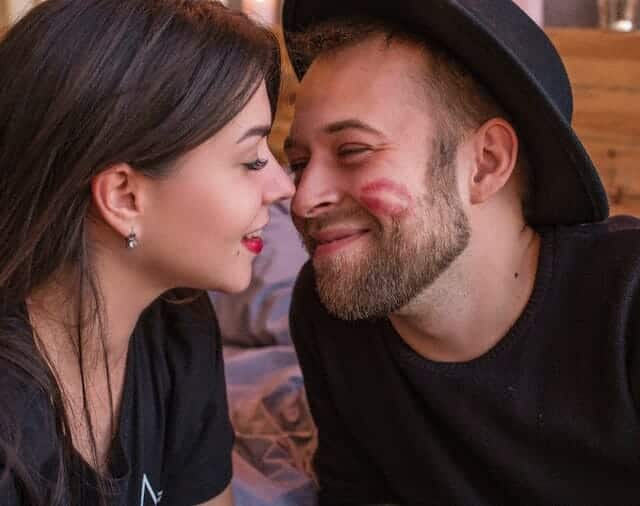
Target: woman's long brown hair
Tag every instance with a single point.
(85, 84)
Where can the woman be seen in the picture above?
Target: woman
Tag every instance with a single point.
(133, 163)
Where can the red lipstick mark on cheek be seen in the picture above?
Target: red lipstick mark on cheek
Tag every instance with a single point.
(384, 197)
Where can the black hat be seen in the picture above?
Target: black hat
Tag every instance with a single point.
(517, 62)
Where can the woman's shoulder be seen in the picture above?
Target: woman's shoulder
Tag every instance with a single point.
(22, 396)
(27, 420)
(23, 383)
(19, 392)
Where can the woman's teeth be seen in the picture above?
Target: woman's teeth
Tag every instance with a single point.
(254, 235)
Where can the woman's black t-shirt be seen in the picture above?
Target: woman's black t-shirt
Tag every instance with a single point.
(174, 437)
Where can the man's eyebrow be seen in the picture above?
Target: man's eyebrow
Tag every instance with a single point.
(351, 124)
(257, 131)
(339, 126)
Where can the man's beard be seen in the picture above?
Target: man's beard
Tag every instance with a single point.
(399, 263)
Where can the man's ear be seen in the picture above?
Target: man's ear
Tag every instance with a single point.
(117, 198)
(496, 152)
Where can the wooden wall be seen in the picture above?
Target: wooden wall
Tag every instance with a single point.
(286, 102)
(604, 69)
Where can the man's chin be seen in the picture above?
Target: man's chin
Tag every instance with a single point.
(345, 292)
(337, 265)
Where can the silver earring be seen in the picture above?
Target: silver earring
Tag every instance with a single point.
(132, 239)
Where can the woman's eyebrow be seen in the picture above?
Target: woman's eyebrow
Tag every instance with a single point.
(257, 131)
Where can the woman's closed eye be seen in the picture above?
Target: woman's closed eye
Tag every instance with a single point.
(257, 164)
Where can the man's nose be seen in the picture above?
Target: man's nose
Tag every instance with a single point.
(317, 191)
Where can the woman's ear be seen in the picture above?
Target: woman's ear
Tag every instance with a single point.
(117, 198)
(496, 152)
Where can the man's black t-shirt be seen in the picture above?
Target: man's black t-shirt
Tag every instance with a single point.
(550, 415)
(174, 440)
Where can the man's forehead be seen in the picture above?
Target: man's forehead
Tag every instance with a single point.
(329, 111)
(367, 81)
(374, 58)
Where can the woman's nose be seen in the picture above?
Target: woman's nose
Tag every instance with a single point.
(316, 191)
(280, 185)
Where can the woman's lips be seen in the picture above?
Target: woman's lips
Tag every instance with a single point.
(253, 244)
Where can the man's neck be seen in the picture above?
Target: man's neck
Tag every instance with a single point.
(473, 304)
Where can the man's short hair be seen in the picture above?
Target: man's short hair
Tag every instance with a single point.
(462, 103)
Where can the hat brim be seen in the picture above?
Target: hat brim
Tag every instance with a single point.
(566, 186)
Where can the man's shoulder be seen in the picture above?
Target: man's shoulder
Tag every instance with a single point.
(617, 238)
(599, 265)
(622, 223)
(621, 227)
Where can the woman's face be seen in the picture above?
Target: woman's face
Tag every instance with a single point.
(203, 223)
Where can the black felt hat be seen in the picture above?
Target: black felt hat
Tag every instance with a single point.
(515, 59)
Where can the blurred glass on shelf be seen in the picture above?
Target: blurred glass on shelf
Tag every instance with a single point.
(264, 11)
(618, 15)
(12, 10)
(535, 9)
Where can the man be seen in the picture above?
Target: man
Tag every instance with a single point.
(469, 323)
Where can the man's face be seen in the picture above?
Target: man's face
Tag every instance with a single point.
(377, 203)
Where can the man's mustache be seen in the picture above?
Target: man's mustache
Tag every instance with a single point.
(307, 227)
(313, 225)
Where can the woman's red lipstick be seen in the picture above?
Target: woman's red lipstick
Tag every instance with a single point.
(253, 244)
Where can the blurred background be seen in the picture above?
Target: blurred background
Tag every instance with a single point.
(554, 13)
